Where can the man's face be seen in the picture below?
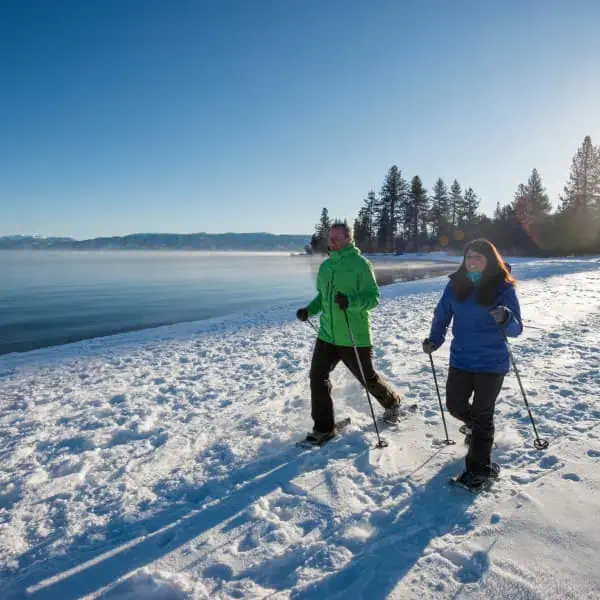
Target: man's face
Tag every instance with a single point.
(337, 238)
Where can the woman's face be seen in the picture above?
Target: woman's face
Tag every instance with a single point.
(475, 262)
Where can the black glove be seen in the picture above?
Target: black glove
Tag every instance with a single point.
(500, 314)
(342, 301)
(302, 314)
(428, 346)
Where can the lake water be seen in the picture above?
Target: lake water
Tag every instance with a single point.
(55, 297)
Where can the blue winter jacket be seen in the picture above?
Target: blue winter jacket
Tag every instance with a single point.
(478, 344)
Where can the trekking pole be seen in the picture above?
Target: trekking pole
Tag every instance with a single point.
(447, 441)
(534, 327)
(381, 443)
(312, 325)
(538, 443)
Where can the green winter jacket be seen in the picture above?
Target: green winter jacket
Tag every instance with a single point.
(348, 272)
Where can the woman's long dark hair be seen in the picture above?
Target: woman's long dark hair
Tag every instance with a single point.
(496, 272)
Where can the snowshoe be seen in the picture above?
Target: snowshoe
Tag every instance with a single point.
(314, 439)
(396, 412)
(477, 483)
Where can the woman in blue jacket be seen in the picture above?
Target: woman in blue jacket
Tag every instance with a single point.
(481, 301)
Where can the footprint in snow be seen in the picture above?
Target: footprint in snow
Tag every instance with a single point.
(249, 542)
(118, 399)
(473, 568)
(548, 462)
(166, 539)
(218, 571)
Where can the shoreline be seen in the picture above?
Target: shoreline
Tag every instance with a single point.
(387, 272)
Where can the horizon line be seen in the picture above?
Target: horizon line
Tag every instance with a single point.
(66, 237)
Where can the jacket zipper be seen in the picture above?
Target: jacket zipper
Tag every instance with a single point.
(330, 294)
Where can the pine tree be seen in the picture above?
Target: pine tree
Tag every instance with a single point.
(324, 223)
(531, 202)
(369, 213)
(360, 236)
(541, 206)
(383, 229)
(503, 228)
(498, 212)
(393, 200)
(582, 191)
(456, 203)
(319, 241)
(418, 206)
(364, 224)
(470, 207)
(520, 198)
(579, 218)
(440, 209)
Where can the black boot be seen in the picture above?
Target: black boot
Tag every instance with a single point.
(478, 482)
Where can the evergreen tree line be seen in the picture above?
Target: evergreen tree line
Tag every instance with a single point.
(404, 217)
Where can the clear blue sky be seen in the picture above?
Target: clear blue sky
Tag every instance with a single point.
(122, 116)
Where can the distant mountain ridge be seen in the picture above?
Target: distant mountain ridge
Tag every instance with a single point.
(161, 241)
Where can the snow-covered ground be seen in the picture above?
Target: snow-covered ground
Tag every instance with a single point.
(161, 464)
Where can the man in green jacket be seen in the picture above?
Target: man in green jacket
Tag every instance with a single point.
(345, 283)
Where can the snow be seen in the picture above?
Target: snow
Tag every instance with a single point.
(161, 465)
